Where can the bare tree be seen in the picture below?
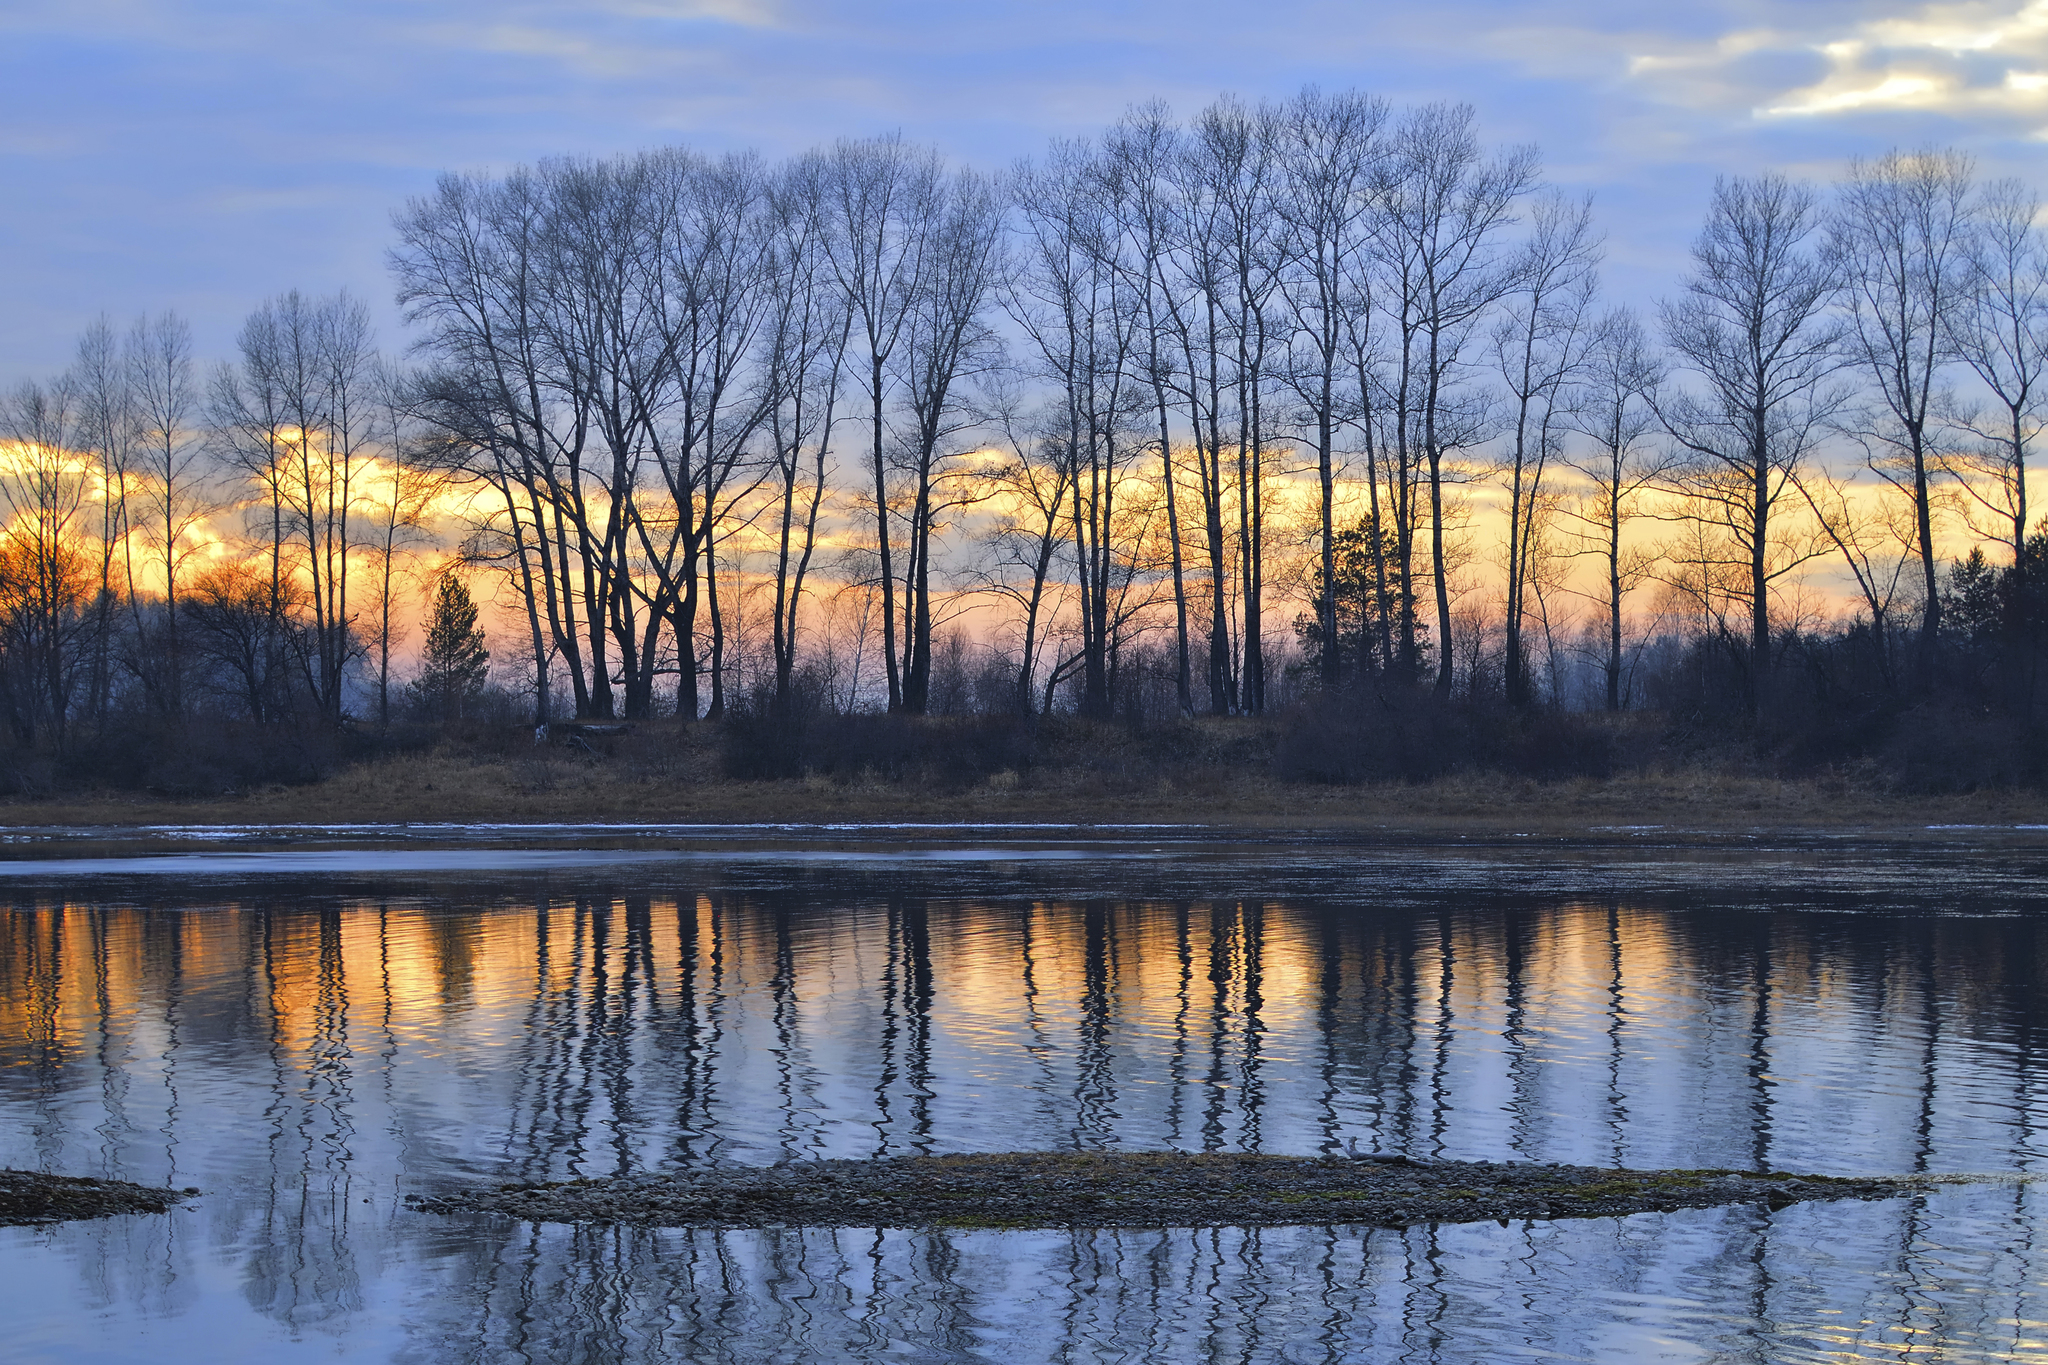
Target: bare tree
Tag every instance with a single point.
(45, 575)
(231, 614)
(1213, 274)
(255, 411)
(1615, 406)
(1753, 327)
(1079, 303)
(297, 418)
(716, 243)
(1196, 307)
(1902, 241)
(1032, 486)
(1137, 153)
(550, 362)
(168, 460)
(1877, 550)
(598, 328)
(105, 432)
(1391, 484)
(469, 264)
(325, 492)
(2001, 333)
(1540, 345)
(802, 372)
(400, 490)
(1446, 205)
(945, 341)
(879, 200)
(1234, 169)
(1331, 147)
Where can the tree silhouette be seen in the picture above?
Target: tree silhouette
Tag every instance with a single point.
(453, 669)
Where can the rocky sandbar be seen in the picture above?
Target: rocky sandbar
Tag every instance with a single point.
(1141, 1189)
(32, 1197)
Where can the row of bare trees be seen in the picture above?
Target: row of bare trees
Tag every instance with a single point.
(178, 540)
(625, 352)
(1905, 319)
(1311, 370)
(1116, 370)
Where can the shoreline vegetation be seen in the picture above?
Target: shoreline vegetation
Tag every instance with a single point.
(1143, 1189)
(1228, 774)
(1280, 462)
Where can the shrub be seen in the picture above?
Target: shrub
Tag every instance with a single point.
(1396, 734)
(956, 751)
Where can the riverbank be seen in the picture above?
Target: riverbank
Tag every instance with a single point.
(1142, 1189)
(661, 779)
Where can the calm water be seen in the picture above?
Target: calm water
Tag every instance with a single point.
(310, 1025)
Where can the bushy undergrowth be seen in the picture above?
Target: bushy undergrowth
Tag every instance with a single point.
(941, 750)
(1835, 709)
(211, 751)
(1394, 736)
(200, 758)
(1834, 703)
(1405, 735)
(1937, 748)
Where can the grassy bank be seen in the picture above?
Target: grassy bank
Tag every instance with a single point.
(1205, 772)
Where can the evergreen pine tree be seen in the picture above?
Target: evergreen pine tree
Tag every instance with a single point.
(453, 669)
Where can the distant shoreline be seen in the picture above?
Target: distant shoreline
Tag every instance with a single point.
(1685, 806)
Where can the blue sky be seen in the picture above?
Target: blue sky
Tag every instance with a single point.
(204, 154)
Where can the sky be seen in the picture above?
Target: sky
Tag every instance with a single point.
(203, 155)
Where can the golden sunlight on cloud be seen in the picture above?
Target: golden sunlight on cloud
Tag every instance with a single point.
(1986, 61)
(1964, 28)
(1727, 47)
(1900, 92)
(1961, 60)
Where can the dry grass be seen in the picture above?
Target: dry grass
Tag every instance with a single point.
(664, 774)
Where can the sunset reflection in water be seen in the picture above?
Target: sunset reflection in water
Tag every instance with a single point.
(307, 1056)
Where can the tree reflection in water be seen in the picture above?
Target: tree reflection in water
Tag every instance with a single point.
(1702, 1285)
(307, 1055)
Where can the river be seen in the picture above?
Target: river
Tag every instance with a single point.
(309, 1024)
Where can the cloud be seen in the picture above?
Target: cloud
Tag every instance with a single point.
(1985, 62)
(227, 120)
(587, 56)
(746, 13)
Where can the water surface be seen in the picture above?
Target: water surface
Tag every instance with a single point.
(310, 1024)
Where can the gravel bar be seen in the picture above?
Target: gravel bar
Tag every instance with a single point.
(1141, 1189)
(28, 1197)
